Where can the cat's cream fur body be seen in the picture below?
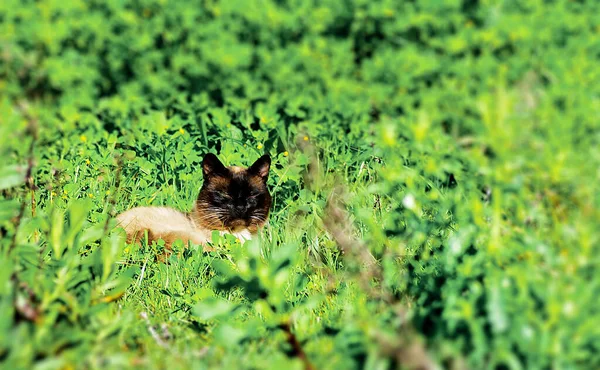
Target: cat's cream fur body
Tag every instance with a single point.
(171, 223)
(168, 224)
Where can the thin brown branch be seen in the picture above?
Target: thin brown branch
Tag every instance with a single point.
(32, 130)
(25, 301)
(355, 251)
(112, 199)
(297, 350)
(405, 346)
(160, 339)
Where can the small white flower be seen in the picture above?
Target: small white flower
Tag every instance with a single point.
(455, 246)
(409, 202)
(542, 249)
(569, 308)
(527, 332)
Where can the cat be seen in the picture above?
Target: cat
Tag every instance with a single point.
(232, 200)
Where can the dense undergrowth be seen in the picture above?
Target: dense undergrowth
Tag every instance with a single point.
(435, 170)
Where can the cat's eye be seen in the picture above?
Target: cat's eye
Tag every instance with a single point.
(221, 197)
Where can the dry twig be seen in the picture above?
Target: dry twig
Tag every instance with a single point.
(32, 129)
(297, 350)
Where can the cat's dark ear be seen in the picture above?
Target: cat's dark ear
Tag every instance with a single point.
(261, 167)
(211, 166)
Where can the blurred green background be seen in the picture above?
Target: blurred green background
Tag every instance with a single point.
(435, 171)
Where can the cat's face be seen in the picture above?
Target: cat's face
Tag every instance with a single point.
(233, 198)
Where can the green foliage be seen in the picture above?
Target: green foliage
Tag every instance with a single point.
(434, 179)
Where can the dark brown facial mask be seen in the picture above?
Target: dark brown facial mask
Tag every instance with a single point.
(233, 198)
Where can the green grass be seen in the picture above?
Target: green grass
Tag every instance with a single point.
(435, 170)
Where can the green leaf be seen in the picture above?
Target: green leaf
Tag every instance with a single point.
(11, 176)
(229, 335)
(9, 208)
(213, 308)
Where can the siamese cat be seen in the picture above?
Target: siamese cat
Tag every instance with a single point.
(232, 200)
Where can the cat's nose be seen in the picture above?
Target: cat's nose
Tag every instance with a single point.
(239, 210)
